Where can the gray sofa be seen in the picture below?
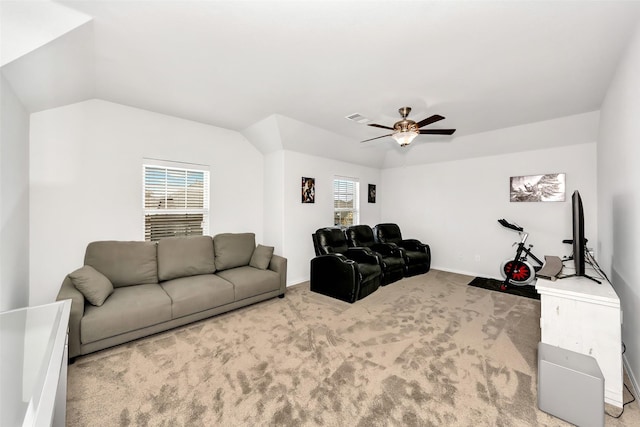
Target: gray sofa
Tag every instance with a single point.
(128, 290)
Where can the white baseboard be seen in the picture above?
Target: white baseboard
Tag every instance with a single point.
(297, 281)
(632, 378)
(466, 273)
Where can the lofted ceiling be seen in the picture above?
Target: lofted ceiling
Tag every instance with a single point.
(484, 65)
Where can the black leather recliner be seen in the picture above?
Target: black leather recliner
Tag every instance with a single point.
(417, 254)
(348, 274)
(391, 258)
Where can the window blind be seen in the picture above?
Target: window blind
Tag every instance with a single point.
(176, 202)
(345, 201)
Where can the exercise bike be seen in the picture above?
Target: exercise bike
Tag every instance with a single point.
(518, 270)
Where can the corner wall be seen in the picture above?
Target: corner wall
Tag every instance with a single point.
(293, 150)
(619, 197)
(14, 200)
(454, 206)
(274, 205)
(86, 180)
(303, 219)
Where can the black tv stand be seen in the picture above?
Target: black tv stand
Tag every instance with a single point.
(589, 259)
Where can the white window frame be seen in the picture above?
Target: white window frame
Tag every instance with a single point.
(343, 192)
(166, 206)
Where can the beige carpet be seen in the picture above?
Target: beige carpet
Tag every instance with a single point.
(424, 351)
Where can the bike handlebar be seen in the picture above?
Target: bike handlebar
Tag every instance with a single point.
(503, 222)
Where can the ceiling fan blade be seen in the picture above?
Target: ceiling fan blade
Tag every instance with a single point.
(437, 131)
(379, 126)
(377, 137)
(429, 120)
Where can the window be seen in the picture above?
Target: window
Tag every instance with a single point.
(346, 201)
(176, 201)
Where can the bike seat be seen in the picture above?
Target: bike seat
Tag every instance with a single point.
(503, 222)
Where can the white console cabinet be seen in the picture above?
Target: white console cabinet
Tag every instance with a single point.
(33, 372)
(581, 315)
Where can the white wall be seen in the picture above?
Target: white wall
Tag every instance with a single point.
(454, 206)
(569, 130)
(288, 223)
(86, 180)
(274, 203)
(619, 197)
(303, 219)
(14, 200)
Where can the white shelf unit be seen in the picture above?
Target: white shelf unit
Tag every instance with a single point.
(581, 315)
(33, 373)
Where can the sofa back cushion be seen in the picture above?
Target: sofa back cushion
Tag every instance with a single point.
(233, 249)
(185, 256)
(124, 263)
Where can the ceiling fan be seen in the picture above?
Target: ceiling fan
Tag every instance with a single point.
(405, 130)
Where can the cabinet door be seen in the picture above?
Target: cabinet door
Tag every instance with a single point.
(589, 328)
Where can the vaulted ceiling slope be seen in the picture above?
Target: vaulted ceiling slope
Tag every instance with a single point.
(28, 25)
(484, 65)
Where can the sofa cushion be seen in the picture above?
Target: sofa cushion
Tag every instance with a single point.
(197, 293)
(248, 281)
(124, 263)
(127, 309)
(92, 284)
(185, 256)
(233, 249)
(261, 257)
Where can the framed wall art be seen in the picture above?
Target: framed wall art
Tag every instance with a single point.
(308, 190)
(537, 188)
(371, 193)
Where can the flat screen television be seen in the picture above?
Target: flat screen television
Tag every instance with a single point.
(579, 241)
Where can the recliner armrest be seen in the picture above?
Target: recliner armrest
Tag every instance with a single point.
(333, 260)
(336, 276)
(387, 249)
(414, 245)
(362, 255)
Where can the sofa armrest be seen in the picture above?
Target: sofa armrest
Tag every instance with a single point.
(68, 291)
(279, 265)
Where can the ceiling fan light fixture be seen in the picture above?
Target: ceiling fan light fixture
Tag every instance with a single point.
(404, 138)
(406, 130)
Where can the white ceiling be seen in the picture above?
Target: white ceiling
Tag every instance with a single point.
(483, 65)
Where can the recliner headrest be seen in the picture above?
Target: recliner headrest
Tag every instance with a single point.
(360, 235)
(331, 240)
(388, 233)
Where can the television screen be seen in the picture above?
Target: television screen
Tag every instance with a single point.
(579, 242)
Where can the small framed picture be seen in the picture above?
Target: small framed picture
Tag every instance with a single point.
(371, 194)
(308, 190)
(537, 188)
